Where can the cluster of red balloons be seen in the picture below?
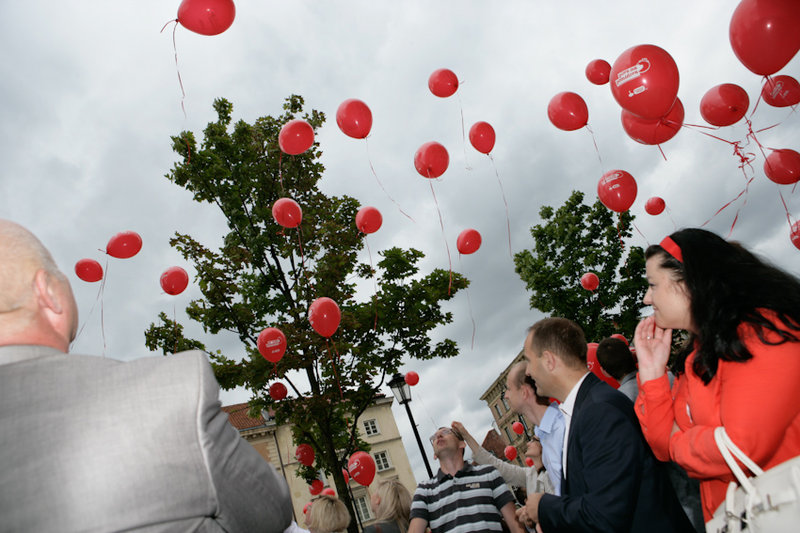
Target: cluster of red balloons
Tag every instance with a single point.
(206, 17)
(468, 241)
(362, 468)
(271, 344)
(510, 452)
(617, 190)
(174, 280)
(305, 454)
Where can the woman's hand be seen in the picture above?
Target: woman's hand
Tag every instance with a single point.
(652, 349)
(459, 428)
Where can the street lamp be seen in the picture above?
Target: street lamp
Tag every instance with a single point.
(402, 392)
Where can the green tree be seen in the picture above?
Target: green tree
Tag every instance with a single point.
(265, 275)
(575, 239)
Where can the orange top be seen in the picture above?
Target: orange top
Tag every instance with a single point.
(757, 401)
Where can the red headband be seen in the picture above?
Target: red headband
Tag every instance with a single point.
(672, 248)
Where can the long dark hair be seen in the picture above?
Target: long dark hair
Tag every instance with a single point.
(729, 286)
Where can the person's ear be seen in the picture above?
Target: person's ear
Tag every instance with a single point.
(550, 360)
(48, 292)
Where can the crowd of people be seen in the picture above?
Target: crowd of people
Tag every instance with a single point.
(721, 349)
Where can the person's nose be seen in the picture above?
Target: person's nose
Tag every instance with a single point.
(648, 299)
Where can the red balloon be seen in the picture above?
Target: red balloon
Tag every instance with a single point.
(89, 270)
(287, 213)
(174, 280)
(783, 166)
(481, 136)
(296, 137)
(724, 104)
(305, 454)
(328, 491)
(354, 118)
(617, 190)
(315, 487)
(271, 344)
(368, 220)
(529, 461)
(362, 468)
(443, 83)
(306, 506)
(764, 34)
(567, 111)
(654, 205)
(795, 234)
(594, 365)
(468, 241)
(620, 337)
(124, 245)
(346, 475)
(653, 131)
(206, 17)
(644, 81)
(412, 378)
(598, 71)
(431, 160)
(781, 91)
(590, 281)
(324, 316)
(510, 452)
(277, 391)
(518, 428)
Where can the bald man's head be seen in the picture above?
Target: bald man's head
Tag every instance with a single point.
(36, 301)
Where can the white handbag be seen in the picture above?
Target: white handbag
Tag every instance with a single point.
(767, 502)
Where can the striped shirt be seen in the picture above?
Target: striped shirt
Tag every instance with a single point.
(468, 502)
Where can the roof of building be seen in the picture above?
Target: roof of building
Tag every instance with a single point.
(239, 417)
(494, 443)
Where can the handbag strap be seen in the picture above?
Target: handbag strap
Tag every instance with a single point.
(726, 448)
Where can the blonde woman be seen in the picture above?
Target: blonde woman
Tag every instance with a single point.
(327, 515)
(391, 503)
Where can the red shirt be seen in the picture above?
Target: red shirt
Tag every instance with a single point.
(757, 401)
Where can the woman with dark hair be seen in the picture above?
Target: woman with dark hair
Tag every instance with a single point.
(740, 367)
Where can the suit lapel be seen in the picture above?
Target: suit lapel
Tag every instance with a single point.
(583, 392)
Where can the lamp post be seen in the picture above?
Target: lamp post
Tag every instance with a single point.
(402, 392)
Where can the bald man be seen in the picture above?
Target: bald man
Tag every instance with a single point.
(93, 444)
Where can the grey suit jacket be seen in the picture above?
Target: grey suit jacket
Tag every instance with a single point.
(94, 444)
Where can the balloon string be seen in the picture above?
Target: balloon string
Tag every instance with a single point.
(669, 212)
(729, 203)
(503, 193)
(469, 306)
(619, 233)
(596, 149)
(372, 168)
(463, 132)
(374, 284)
(177, 69)
(662, 152)
(640, 233)
(303, 259)
(97, 299)
(788, 216)
(333, 362)
(102, 310)
(447, 246)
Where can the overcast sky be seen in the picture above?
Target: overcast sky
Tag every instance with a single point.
(90, 96)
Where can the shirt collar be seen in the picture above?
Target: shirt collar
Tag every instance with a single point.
(441, 476)
(549, 417)
(568, 405)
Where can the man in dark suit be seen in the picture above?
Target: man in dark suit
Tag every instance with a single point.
(612, 481)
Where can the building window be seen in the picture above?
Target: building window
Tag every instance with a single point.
(362, 508)
(508, 434)
(497, 408)
(371, 427)
(382, 461)
(505, 403)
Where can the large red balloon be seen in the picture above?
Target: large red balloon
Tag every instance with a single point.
(124, 245)
(518, 428)
(328, 491)
(617, 190)
(206, 17)
(654, 205)
(765, 34)
(277, 391)
(443, 83)
(296, 137)
(621, 337)
(481, 136)
(468, 241)
(594, 365)
(305, 454)
(644, 80)
(783, 166)
(431, 160)
(89, 270)
(567, 111)
(794, 235)
(724, 104)
(781, 91)
(174, 280)
(653, 131)
(354, 118)
(316, 487)
(362, 468)
(590, 281)
(412, 378)
(598, 71)
(324, 316)
(368, 219)
(510, 453)
(271, 344)
(287, 213)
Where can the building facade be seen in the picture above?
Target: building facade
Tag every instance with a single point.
(376, 427)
